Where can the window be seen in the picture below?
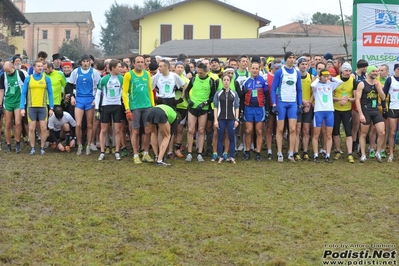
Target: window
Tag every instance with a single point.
(23, 34)
(68, 34)
(188, 32)
(45, 34)
(166, 33)
(215, 32)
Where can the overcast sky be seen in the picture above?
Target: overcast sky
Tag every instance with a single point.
(279, 12)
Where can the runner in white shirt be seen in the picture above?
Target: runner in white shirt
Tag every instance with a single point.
(323, 88)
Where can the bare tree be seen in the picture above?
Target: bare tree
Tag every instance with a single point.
(303, 19)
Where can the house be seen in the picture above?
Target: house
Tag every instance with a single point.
(12, 19)
(231, 48)
(47, 30)
(298, 29)
(193, 20)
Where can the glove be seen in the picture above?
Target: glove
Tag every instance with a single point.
(267, 116)
(274, 110)
(299, 110)
(129, 116)
(97, 114)
(176, 102)
(190, 103)
(385, 113)
(1, 111)
(201, 105)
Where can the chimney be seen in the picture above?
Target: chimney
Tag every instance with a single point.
(274, 27)
(20, 4)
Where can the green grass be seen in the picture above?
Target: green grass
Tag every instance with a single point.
(68, 210)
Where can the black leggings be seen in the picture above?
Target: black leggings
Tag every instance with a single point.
(346, 118)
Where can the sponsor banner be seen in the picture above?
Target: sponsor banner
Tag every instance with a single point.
(377, 38)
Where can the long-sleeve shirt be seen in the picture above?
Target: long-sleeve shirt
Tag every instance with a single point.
(37, 97)
(287, 86)
(226, 103)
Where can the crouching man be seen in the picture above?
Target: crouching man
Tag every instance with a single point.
(62, 128)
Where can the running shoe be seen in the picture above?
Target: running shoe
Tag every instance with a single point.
(258, 158)
(233, 160)
(179, 154)
(101, 157)
(163, 164)
(269, 156)
(241, 147)
(378, 157)
(323, 153)
(93, 147)
(246, 156)
(42, 152)
(200, 159)
(189, 158)
(337, 156)
(280, 158)
(117, 156)
(220, 160)
(305, 156)
(8, 149)
(214, 157)
(170, 156)
(137, 160)
(88, 151)
(225, 156)
(291, 159)
(147, 158)
(113, 150)
(350, 158)
(80, 148)
(107, 150)
(372, 154)
(32, 152)
(328, 159)
(363, 158)
(316, 159)
(18, 147)
(67, 148)
(297, 157)
(124, 152)
(383, 154)
(390, 159)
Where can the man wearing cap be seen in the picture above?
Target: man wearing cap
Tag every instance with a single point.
(323, 110)
(343, 99)
(166, 83)
(328, 56)
(138, 98)
(215, 67)
(391, 87)
(36, 90)
(359, 75)
(57, 61)
(287, 87)
(84, 80)
(305, 118)
(17, 62)
(11, 82)
(367, 104)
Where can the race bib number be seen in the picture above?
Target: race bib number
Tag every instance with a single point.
(325, 98)
(167, 88)
(374, 103)
(254, 93)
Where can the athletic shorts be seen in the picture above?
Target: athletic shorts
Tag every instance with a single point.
(140, 115)
(305, 117)
(183, 115)
(197, 113)
(37, 114)
(254, 114)
(326, 116)
(372, 115)
(346, 118)
(156, 116)
(111, 113)
(84, 103)
(9, 106)
(288, 109)
(393, 113)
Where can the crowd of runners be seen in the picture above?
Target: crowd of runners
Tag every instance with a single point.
(241, 105)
